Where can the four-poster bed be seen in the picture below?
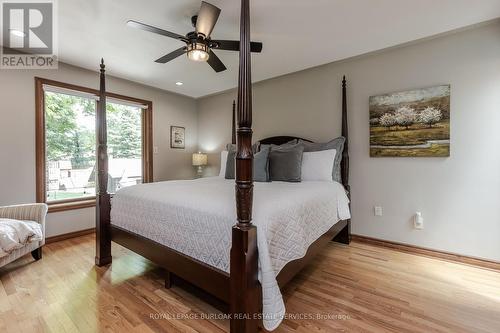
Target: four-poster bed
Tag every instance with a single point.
(244, 294)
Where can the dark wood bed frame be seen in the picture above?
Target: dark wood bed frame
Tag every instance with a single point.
(244, 293)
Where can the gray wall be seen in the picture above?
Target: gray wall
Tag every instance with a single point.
(17, 136)
(458, 196)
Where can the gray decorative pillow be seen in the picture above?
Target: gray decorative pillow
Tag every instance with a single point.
(288, 144)
(285, 164)
(260, 165)
(337, 144)
(230, 164)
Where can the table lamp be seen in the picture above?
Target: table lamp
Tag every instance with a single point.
(200, 160)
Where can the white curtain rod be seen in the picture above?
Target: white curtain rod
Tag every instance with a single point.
(71, 92)
(77, 93)
(126, 103)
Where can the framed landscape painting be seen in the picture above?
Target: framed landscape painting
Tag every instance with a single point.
(413, 123)
(177, 137)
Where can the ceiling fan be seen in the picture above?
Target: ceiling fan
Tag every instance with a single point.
(199, 45)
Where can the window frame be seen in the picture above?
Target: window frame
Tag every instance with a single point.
(40, 144)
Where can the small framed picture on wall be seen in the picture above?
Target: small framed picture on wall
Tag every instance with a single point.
(177, 137)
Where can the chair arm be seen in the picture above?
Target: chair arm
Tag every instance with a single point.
(29, 212)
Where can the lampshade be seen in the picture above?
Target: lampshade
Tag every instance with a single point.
(199, 159)
(198, 52)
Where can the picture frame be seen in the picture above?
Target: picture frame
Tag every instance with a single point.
(412, 123)
(177, 137)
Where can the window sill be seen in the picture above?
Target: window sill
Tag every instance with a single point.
(71, 205)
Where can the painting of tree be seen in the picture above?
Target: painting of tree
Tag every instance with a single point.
(413, 123)
(387, 120)
(430, 116)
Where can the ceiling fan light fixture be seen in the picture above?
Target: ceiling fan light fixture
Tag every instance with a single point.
(198, 52)
(199, 44)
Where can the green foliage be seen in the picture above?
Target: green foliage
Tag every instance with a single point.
(124, 131)
(66, 138)
(83, 149)
(88, 106)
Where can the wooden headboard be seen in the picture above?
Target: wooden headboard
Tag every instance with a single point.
(279, 140)
(274, 140)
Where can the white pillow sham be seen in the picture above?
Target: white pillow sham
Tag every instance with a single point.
(317, 165)
(223, 161)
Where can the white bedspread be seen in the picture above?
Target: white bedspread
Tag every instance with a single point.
(195, 217)
(15, 234)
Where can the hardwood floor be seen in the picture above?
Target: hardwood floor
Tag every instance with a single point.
(356, 288)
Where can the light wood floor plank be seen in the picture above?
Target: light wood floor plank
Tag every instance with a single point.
(355, 288)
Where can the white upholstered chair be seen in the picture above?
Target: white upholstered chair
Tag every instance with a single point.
(29, 212)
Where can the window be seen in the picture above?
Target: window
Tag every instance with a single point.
(69, 146)
(66, 146)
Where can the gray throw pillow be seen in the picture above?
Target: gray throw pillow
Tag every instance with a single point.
(288, 144)
(285, 164)
(230, 164)
(337, 144)
(260, 165)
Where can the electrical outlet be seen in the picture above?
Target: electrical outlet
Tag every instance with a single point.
(418, 221)
(377, 210)
(155, 150)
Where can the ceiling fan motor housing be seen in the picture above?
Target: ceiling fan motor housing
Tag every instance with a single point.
(195, 37)
(199, 43)
(194, 19)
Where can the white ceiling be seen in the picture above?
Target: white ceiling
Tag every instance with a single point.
(297, 34)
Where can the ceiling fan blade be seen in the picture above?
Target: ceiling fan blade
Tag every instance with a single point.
(207, 17)
(171, 56)
(234, 45)
(215, 62)
(146, 27)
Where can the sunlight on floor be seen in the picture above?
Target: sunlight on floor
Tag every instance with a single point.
(488, 288)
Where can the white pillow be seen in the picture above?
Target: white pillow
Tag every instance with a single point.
(223, 161)
(318, 165)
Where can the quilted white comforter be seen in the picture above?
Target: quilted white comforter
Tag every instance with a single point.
(195, 217)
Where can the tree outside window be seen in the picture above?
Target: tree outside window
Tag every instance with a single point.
(70, 146)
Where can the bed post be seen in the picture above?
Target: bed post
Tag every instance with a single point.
(345, 134)
(244, 290)
(103, 199)
(233, 124)
(345, 235)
